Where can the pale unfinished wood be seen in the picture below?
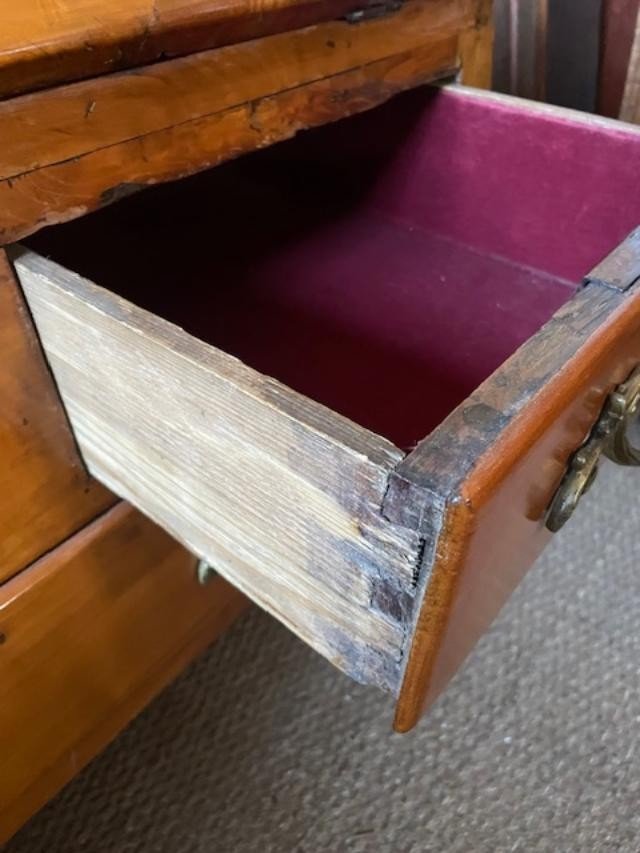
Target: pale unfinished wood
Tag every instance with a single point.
(280, 494)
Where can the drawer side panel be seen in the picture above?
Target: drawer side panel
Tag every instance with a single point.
(279, 494)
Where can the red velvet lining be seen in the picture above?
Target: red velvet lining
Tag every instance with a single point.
(384, 266)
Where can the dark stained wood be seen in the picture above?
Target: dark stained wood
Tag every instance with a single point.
(618, 26)
(45, 492)
(90, 634)
(491, 470)
(69, 188)
(621, 268)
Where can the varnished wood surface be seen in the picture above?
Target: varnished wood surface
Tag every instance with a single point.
(73, 149)
(90, 634)
(281, 494)
(46, 128)
(48, 42)
(45, 492)
(496, 463)
(476, 46)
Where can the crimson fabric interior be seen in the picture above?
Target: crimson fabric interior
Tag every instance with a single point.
(384, 265)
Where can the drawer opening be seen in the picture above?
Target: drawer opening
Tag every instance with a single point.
(384, 265)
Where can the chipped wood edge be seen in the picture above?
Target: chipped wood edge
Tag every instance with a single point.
(74, 187)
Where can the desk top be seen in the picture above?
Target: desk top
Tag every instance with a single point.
(47, 42)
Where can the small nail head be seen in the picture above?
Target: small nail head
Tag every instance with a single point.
(205, 572)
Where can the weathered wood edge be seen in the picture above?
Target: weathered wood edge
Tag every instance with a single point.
(621, 268)
(455, 470)
(337, 428)
(298, 527)
(72, 188)
(53, 126)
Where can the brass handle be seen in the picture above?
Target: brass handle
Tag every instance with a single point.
(616, 435)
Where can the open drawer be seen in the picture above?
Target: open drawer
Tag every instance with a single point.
(270, 343)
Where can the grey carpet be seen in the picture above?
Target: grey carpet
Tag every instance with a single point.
(262, 746)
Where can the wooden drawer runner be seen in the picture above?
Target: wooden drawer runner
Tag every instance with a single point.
(410, 272)
(88, 635)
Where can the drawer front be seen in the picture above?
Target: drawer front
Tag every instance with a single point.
(497, 462)
(390, 562)
(42, 45)
(46, 493)
(90, 634)
(73, 148)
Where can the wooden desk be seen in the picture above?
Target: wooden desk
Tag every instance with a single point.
(99, 608)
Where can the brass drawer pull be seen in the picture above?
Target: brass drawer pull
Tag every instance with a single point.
(616, 434)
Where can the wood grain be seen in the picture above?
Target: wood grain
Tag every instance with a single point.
(476, 45)
(630, 108)
(91, 143)
(45, 492)
(493, 467)
(48, 42)
(621, 268)
(90, 634)
(42, 129)
(282, 495)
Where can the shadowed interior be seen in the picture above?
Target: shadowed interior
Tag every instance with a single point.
(384, 265)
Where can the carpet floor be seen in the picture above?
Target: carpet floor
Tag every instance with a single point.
(262, 746)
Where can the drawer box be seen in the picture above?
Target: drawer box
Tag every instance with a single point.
(267, 346)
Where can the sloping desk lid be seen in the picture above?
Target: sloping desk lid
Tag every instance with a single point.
(47, 42)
